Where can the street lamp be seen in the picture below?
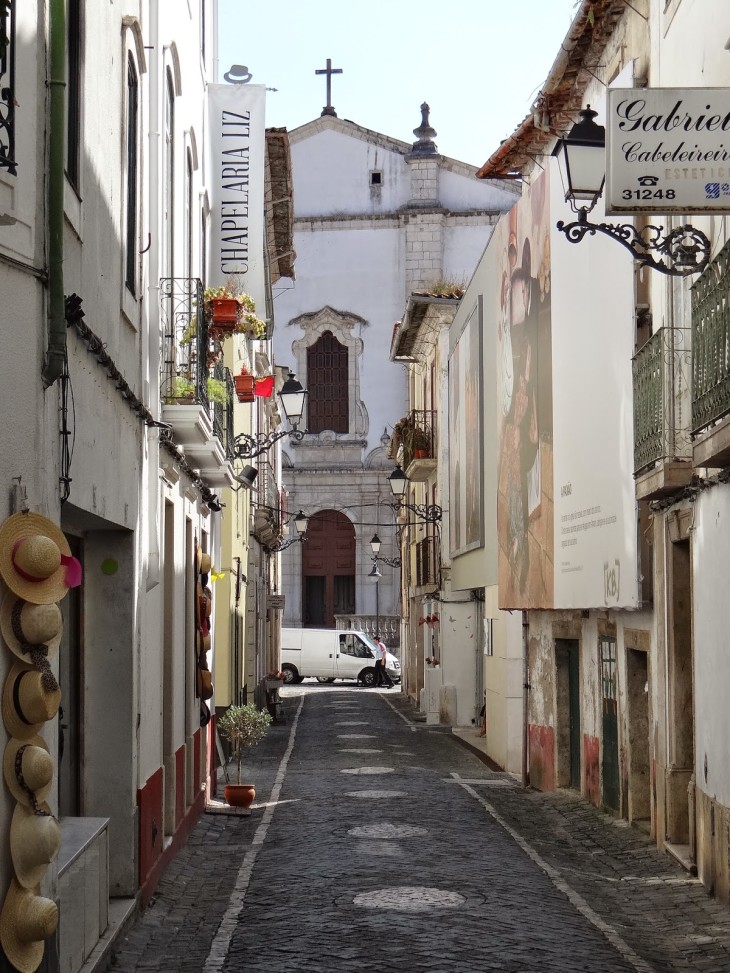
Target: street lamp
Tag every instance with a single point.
(300, 522)
(581, 156)
(293, 396)
(398, 482)
(375, 577)
(375, 545)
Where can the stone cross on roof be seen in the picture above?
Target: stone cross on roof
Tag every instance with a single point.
(329, 71)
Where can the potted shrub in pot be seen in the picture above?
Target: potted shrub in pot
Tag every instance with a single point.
(230, 311)
(243, 727)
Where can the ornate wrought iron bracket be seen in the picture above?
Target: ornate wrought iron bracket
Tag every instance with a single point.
(282, 545)
(246, 447)
(392, 562)
(431, 513)
(686, 249)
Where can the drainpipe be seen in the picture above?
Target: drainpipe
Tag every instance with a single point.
(56, 351)
(525, 693)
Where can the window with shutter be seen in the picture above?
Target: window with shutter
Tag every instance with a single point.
(327, 381)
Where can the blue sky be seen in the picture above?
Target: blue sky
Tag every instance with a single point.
(478, 63)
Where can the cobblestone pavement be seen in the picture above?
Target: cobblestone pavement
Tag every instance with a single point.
(378, 843)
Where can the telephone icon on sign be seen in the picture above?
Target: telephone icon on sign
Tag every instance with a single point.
(648, 180)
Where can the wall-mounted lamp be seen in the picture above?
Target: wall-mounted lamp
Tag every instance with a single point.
(581, 159)
(301, 520)
(375, 545)
(398, 482)
(293, 396)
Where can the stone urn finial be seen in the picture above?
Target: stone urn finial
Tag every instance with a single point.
(425, 144)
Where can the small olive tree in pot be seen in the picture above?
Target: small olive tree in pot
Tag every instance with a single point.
(242, 727)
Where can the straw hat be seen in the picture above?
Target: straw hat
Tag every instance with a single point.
(28, 761)
(35, 559)
(24, 623)
(35, 840)
(202, 644)
(26, 703)
(205, 563)
(26, 921)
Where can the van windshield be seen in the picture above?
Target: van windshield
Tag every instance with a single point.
(368, 641)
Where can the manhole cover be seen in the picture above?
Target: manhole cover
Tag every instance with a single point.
(368, 770)
(410, 899)
(358, 750)
(376, 795)
(388, 831)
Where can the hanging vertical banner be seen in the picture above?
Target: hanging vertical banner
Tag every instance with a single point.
(237, 148)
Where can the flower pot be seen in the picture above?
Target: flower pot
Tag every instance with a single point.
(239, 795)
(224, 310)
(244, 387)
(420, 454)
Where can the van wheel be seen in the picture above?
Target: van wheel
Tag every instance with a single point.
(325, 678)
(367, 677)
(290, 674)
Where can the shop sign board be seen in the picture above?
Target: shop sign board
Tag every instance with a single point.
(668, 150)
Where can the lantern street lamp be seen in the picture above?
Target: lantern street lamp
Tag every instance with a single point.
(301, 521)
(398, 482)
(581, 156)
(292, 396)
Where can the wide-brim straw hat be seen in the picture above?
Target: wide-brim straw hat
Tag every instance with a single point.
(35, 840)
(35, 559)
(36, 767)
(202, 645)
(205, 563)
(26, 921)
(27, 623)
(26, 703)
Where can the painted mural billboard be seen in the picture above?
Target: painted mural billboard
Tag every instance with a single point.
(559, 319)
(521, 309)
(466, 506)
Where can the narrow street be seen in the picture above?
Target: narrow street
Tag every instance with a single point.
(377, 842)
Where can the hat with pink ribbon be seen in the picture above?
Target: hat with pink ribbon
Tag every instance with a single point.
(35, 559)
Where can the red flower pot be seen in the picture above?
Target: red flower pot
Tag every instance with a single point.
(239, 795)
(224, 310)
(244, 387)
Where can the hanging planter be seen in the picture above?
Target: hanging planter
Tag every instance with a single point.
(244, 386)
(224, 310)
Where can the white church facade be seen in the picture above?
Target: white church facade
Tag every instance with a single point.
(376, 220)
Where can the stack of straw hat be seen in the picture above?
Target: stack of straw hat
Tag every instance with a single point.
(38, 568)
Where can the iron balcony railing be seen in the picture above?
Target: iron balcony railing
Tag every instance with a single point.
(223, 412)
(711, 343)
(414, 437)
(661, 379)
(426, 571)
(7, 87)
(185, 344)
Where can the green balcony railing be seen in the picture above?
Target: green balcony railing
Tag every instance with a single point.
(711, 343)
(661, 395)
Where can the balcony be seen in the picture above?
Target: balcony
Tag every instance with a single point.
(196, 390)
(426, 563)
(662, 447)
(414, 444)
(711, 363)
(268, 526)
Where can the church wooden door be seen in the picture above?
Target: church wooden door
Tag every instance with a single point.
(328, 569)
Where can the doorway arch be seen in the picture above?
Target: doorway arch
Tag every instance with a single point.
(328, 569)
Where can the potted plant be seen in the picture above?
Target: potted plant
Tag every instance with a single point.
(217, 391)
(242, 726)
(244, 386)
(230, 311)
(183, 390)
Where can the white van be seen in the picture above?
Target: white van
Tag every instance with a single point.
(329, 654)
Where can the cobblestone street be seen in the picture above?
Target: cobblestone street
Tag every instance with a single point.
(379, 843)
